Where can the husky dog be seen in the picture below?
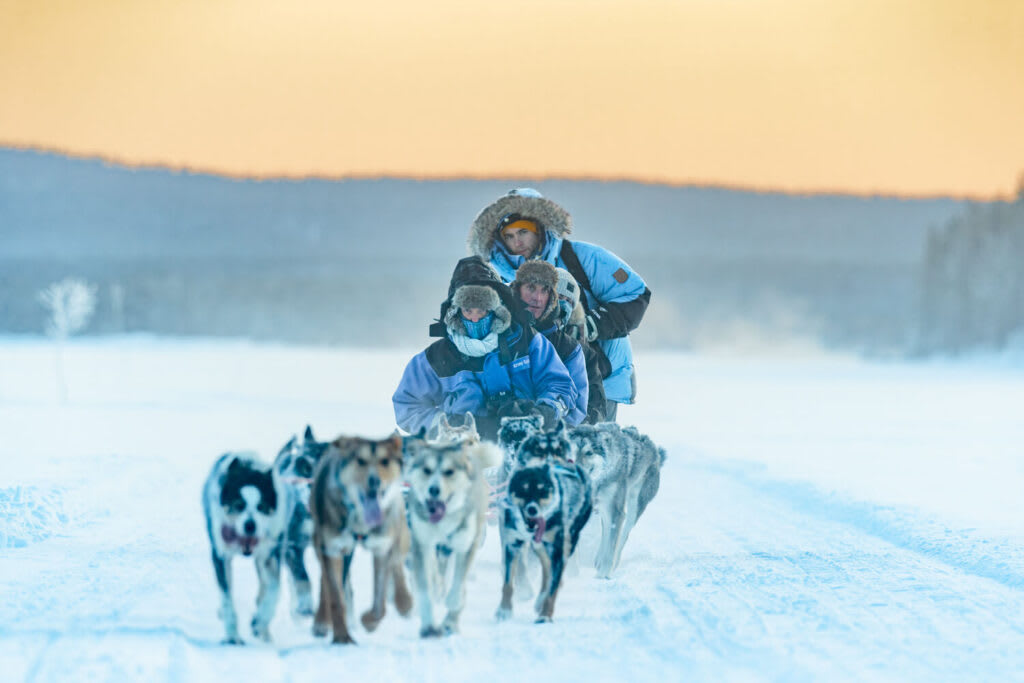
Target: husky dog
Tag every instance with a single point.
(356, 498)
(447, 508)
(512, 432)
(294, 467)
(624, 467)
(245, 507)
(445, 432)
(547, 505)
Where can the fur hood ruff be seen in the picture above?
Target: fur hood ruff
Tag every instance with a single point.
(476, 296)
(550, 215)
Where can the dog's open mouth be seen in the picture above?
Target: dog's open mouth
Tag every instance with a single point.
(246, 543)
(435, 510)
(372, 514)
(538, 526)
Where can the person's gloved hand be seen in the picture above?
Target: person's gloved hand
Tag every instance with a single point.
(519, 407)
(548, 413)
(497, 403)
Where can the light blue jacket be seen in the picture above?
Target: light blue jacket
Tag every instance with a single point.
(612, 280)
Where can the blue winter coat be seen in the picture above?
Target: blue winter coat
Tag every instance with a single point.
(612, 281)
(440, 379)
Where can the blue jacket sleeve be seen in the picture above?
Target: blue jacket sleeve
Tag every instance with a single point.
(621, 294)
(419, 397)
(611, 278)
(551, 380)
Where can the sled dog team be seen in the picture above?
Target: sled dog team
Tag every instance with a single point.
(512, 411)
(422, 504)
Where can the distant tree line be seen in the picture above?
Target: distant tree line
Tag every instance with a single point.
(973, 282)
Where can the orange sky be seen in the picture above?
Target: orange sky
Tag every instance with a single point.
(890, 96)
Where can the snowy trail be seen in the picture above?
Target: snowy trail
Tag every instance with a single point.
(747, 585)
(739, 570)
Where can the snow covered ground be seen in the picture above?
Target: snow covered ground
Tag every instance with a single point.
(820, 518)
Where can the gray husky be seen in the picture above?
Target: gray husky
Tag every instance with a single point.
(546, 507)
(625, 472)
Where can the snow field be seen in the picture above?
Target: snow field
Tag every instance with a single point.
(819, 518)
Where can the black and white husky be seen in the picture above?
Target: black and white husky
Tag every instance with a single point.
(294, 467)
(624, 467)
(245, 506)
(546, 507)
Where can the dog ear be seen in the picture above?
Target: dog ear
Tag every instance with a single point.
(559, 429)
(470, 421)
(537, 422)
(308, 436)
(288, 446)
(396, 441)
(344, 444)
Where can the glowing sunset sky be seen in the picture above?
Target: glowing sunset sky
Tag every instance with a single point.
(893, 96)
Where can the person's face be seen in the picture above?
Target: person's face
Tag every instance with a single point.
(473, 315)
(520, 241)
(536, 298)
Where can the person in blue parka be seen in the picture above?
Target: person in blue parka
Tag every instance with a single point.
(490, 362)
(524, 225)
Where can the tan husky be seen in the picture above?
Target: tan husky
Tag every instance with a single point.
(447, 514)
(447, 433)
(356, 498)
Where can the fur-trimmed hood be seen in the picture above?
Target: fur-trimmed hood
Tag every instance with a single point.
(476, 296)
(538, 273)
(526, 202)
(476, 274)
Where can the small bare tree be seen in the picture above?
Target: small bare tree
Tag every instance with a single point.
(71, 304)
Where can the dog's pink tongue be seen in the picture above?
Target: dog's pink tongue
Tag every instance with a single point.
(371, 512)
(538, 533)
(436, 510)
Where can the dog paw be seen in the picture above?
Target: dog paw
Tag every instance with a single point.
(430, 632)
(303, 607)
(542, 620)
(232, 640)
(344, 639)
(370, 620)
(450, 628)
(319, 630)
(302, 612)
(503, 614)
(261, 631)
